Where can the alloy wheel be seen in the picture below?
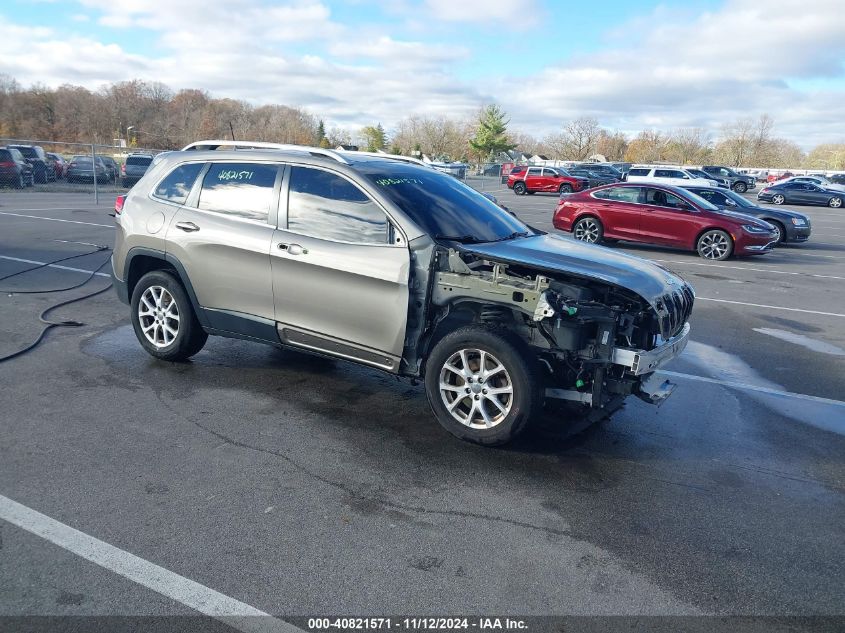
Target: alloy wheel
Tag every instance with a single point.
(158, 315)
(835, 202)
(714, 245)
(587, 231)
(778, 198)
(476, 388)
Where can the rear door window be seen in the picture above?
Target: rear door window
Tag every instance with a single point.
(243, 190)
(638, 172)
(620, 194)
(177, 184)
(330, 207)
(660, 198)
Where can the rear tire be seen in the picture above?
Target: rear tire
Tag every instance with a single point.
(163, 318)
(565, 188)
(588, 229)
(482, 385)
(778, 198)
(835, 202)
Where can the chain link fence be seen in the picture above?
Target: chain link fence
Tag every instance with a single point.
(64, 167)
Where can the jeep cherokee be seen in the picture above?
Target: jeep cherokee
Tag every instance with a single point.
(396, 266)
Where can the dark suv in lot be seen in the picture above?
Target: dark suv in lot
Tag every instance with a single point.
(134, 168)
(398, 267)
(15, 171)
(738, 182)
(43, 169)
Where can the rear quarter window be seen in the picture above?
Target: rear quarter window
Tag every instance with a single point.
(638, 172)
(178, 183)
(139, 160)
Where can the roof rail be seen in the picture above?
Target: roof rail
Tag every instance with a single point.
(236, 145)
(385, 155)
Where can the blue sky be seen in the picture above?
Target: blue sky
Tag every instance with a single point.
(631, 64)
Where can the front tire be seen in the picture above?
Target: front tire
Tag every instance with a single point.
(588, 230)
(519, 189)
(715, 245)
(835, 202)
(740, 187)
(781, 231)
(778, 198)
(163, 318)
(482, 385)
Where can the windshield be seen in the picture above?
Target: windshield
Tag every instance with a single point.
(699, 201)
(29, 152)
(443, 206)
(740, 201)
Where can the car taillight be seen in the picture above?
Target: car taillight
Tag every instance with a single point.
(118, 204)
(123, 169)
(7, 164)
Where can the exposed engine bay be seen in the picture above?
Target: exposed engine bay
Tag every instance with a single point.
(595, 342)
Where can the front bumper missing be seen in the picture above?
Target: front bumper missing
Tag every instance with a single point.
(638, 363)
(641, 362)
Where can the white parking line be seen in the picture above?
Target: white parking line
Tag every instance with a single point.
(761, 305)
(759, 270)
(192, 594)
(38, 217)
(59, 266)
(749, 387)
(101, 208)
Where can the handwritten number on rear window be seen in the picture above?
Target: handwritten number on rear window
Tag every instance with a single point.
(231, 174)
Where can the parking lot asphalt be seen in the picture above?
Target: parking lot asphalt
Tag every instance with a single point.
(304, 486)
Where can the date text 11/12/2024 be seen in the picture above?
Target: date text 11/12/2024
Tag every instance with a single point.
(417, 624)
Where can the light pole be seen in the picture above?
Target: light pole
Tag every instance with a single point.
(131, 127)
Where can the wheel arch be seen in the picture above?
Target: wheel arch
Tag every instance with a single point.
(462, 312)
(712, 228)
(140, 261)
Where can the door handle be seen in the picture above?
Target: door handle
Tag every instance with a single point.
(188, 227)
(293, 249)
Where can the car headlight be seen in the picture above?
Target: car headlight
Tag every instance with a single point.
(750, 228)
(799, 221)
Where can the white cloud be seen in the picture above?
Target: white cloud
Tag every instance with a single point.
(666, 69)
(515, 13)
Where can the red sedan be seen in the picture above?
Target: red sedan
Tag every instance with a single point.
(662, 214)
(530, 180)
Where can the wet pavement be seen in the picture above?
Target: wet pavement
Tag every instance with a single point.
(306, 486)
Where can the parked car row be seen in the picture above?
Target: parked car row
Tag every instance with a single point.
(25, 165)
(714, 221)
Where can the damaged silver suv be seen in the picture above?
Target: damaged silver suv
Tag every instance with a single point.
(384, 262)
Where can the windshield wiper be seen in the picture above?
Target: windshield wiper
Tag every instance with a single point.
(463, 239)
(512, 236)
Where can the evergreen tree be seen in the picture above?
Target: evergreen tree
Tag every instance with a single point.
(491, 135)
(375, 137)
(321, 132)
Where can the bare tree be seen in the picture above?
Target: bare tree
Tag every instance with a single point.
(611, 145)
(689, 146)
(648, 147)
(579, 138)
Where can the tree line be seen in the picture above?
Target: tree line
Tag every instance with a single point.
(150, 114)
